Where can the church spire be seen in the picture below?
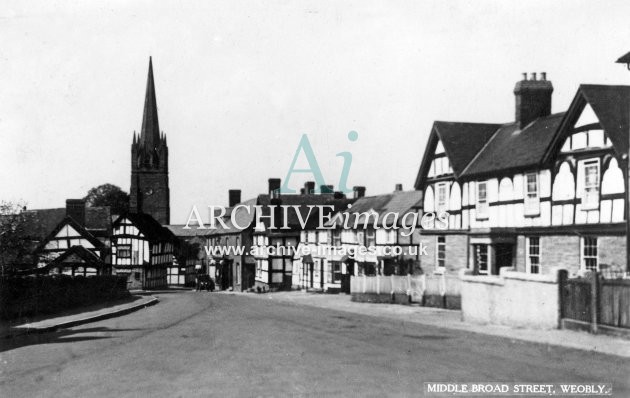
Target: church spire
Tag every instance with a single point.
(150, 133)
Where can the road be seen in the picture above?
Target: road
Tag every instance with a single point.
(201, 344)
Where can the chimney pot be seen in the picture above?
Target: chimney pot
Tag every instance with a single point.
(543, 75)
(398, 187)
(359, 192)
(524, 76)
(534, 76)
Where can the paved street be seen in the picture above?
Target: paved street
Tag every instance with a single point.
(199, 344)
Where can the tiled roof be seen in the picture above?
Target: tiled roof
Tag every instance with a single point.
(40, 222)
(149, 226)
(181, 232)
(511, 147)
(462, 141)
(611, 104)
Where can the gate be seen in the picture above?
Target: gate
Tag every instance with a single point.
(594, 302)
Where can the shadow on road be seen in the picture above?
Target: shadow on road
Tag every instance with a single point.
(58, 336)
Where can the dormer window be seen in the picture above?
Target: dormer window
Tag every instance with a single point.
(532, 196)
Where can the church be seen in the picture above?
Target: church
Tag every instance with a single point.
(142, 247)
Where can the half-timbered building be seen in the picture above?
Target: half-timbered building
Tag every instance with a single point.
(369, 238)
(275, 243)
(142, 250)
(49, 233)
(544, 191)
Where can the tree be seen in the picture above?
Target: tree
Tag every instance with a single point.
(108, 195)
(14, 243)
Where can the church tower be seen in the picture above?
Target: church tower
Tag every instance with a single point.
(149, 191)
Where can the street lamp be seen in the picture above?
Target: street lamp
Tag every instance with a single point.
(626, 60)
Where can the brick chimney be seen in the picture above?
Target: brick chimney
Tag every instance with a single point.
(359, 192)
(234, 197)
(75, 209)
(533, 99)
(398, 188)
(274, 187)
(309, 187)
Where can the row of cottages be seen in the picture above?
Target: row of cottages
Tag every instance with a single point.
(274, 268)
(356, 242)
(142, 251)
(71, 241)
(544, 191)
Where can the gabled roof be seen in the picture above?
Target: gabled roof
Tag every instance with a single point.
(511, 147)
(75, 225)
(77, 252)
(149, 226)
(397, 202)
(611, 104)
(461, 141)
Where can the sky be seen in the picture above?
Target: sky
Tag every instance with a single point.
(239, 82)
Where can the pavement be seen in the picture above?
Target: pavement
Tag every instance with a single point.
(452, 319)
(199, 344)
(66, 321)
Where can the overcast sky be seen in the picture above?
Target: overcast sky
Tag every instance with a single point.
(238, 83)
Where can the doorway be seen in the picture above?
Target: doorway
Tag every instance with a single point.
(504, 256)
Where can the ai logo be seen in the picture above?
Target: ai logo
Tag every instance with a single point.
(305, 146)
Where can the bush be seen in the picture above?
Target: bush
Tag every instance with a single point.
(30, 296)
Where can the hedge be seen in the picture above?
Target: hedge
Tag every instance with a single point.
(50, 294)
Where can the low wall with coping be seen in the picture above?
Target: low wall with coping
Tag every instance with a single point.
(437, 290)
(512, 298)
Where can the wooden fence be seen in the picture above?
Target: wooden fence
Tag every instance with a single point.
(594, 302)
